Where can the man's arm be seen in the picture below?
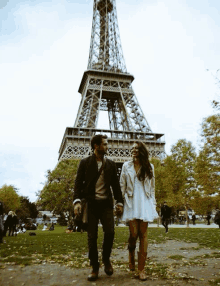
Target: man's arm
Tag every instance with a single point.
(80, 179)
(116, 187)
(162, 211)
(78, 187)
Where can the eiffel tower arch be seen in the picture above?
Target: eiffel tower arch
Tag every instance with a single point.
(107, 86)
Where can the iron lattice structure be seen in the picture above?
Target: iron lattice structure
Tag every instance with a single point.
(106, 86)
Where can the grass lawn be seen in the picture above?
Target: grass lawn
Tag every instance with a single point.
(71, 249)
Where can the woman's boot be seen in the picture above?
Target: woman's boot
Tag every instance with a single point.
(141, 263)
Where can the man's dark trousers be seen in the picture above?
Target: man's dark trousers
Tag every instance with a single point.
(103, 211)
(165, 223)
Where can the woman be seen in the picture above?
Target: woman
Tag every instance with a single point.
(138, 188)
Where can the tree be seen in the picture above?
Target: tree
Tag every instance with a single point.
(173, 184)
(184, 155)
(57, 194)
(208, 162)
(179, 182)
(10, 198)
(210, 154)
(202, 204)
(160, 174)
(27, 209)
(216, 103)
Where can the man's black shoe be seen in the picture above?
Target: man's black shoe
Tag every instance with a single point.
(94, 275)
(108, 268)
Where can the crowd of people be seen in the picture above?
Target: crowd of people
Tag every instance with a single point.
(182, 219)
(11, 226)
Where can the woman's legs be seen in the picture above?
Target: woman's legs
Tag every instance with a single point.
(142, 233)
(142, 254)
(133, 228)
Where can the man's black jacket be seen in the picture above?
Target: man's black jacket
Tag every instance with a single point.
(87, 176)
(165, 212)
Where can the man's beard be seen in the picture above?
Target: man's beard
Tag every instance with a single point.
(102, 152)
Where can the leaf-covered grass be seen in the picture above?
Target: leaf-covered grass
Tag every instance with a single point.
(72, 250)
(205, 237)
(177, 257)
(215, 282)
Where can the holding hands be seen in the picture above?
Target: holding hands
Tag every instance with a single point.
(119, 210)
(77, 209)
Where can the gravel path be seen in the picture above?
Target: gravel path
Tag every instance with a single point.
(185, 263)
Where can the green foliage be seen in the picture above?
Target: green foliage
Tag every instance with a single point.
(57, 194)
(10, 198)
(203, 204)
(207, 167)
(173, 182)
(184, 154)
(160, 175)
(27, 209)
(62, 220)
(177, 183)
(208, 162)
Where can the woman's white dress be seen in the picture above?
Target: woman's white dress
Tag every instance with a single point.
(139, 205)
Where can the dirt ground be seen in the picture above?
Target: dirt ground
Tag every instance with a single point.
(185, 263)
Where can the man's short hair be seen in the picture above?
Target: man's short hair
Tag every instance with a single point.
(97, 139)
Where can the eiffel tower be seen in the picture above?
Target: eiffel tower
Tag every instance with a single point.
(107, 86)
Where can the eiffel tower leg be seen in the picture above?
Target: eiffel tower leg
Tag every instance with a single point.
(136, 114)
(90, 106)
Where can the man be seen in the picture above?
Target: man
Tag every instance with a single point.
(165, 215)
(208, 218)
(95, 177)
(194, 219)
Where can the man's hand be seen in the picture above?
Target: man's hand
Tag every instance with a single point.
(119, 210)
(77, 209)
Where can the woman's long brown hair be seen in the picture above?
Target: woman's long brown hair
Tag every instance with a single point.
(146, 169)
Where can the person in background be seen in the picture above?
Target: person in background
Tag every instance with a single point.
(45, 227)
(96, 177)
(165, 215)
(52, 226)
(194, 219)
(138, 188)
(10, 224)
(208, 218)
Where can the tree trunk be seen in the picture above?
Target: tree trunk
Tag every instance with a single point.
(187, 217)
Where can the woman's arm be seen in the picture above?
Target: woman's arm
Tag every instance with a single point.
(123, 181)
(153, 186)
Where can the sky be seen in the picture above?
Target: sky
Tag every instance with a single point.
(44, 47)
